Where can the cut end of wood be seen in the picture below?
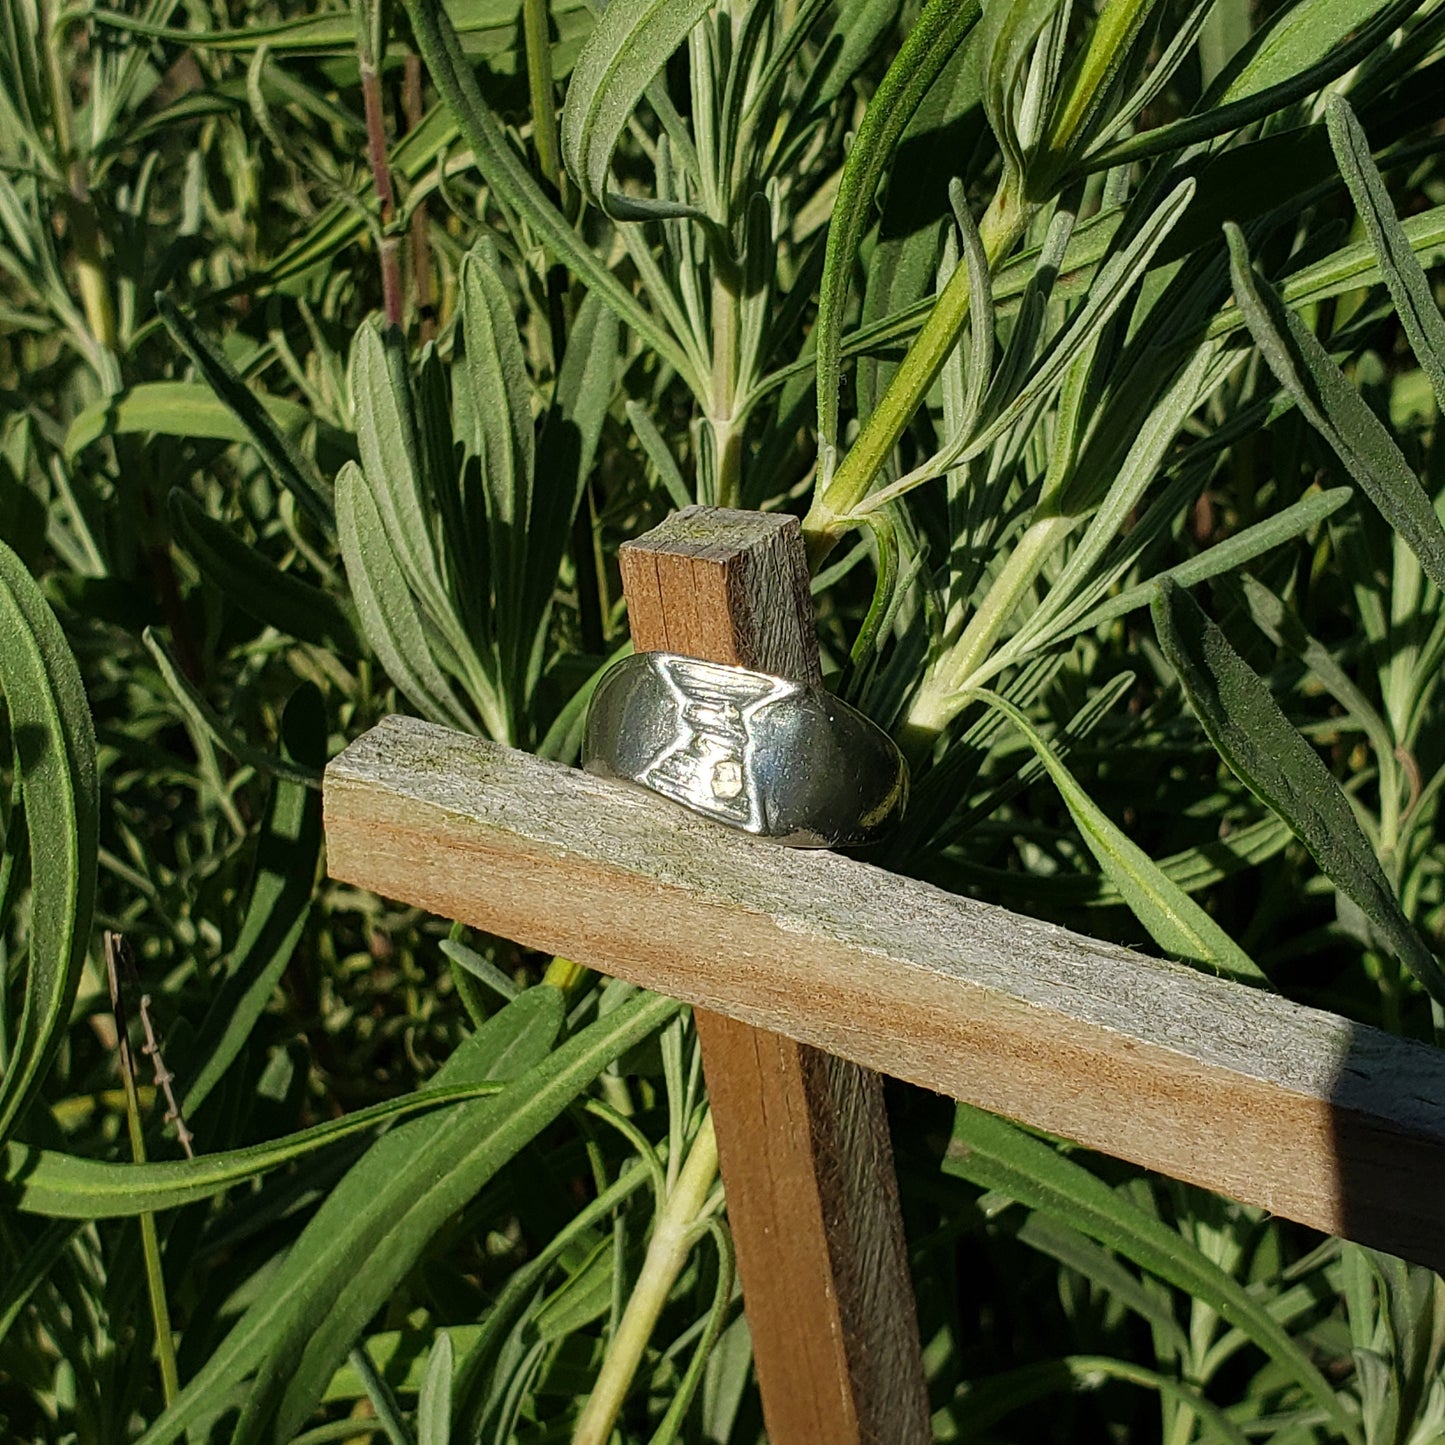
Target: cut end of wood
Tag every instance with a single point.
(725, 586)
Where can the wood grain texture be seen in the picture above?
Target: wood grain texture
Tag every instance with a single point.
(725, 586)
(802, 1136)
(1331, 1123)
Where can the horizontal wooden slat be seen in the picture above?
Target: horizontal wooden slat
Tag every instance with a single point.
(1331, 1123)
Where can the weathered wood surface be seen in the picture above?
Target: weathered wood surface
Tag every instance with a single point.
(802, 1137)
(1330, 1123)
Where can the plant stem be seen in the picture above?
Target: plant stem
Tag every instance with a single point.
(388, 244)
(672, 1240)
(944, 692)
(542, 91)
(421, 268)
(79, 209)
(95, 297)
(830, 515)
(117, 954)
(727, 433)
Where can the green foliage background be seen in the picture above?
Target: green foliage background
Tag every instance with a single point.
(1101, 351)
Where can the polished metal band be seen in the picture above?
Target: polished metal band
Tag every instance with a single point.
(777, 759)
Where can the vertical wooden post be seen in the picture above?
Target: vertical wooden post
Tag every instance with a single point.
(802, 1136)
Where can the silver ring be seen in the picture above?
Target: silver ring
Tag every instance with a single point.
(777, 759)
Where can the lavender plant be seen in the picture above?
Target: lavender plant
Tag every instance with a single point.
(1099, 349)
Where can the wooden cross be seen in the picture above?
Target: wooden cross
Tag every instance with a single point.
(812, 975)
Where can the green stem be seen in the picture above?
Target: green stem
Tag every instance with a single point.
(542, 90)
(672, 1240)
(831, 513)
(91, 280)
(116, 950)
(934, 39)
(944, 692)
(80, 214)
(724, 419)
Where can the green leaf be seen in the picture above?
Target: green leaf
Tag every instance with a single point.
(1105, 1270)
(1410, 290)
(566, 451)
(631, 43)
(940, 29)
(993, 1397)
(1282, 625)
(1174, 920)
(585, 1295)
(280, 455)
(418, 1164)
(1294, 521)
(282, 884)
(1274, 761)
(1088, 87)
(479, 967)
(389, 617)
(997, 1155)
(257, 585)
(491, 28)
(1323, 36)
(1112, 286)
(177, 409)
(215, 726)
(1337, 411)
(466, 1153)
(66, 1186)
(496, 375)
(380, 1394)
(473, 1155)
(1297, 39)
(390, 450)
(50, 730)
(1008, 36)
(434, 1408)
(663, 462)
(506, 173)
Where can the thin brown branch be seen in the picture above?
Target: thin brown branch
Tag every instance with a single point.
(389, 242)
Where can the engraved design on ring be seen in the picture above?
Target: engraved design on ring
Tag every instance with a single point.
(771, 757)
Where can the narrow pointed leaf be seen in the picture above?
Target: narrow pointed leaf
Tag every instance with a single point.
(403, 1167)
(1174, 920)
(528, 1104)
(178, 409)
(67, 1186)
(942, 26)
(214, 726)
(631, 43)
(506, 172)
(257, 585)
(1337, 411)
(282, 885)
(287, 465)
(496, 375)
(1272, 759)
(1410, 290)
(391, 457)
(998, 1155)
(434, 1408)
(389, 618)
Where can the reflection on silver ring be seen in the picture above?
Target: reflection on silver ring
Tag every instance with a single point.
(777, 759)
